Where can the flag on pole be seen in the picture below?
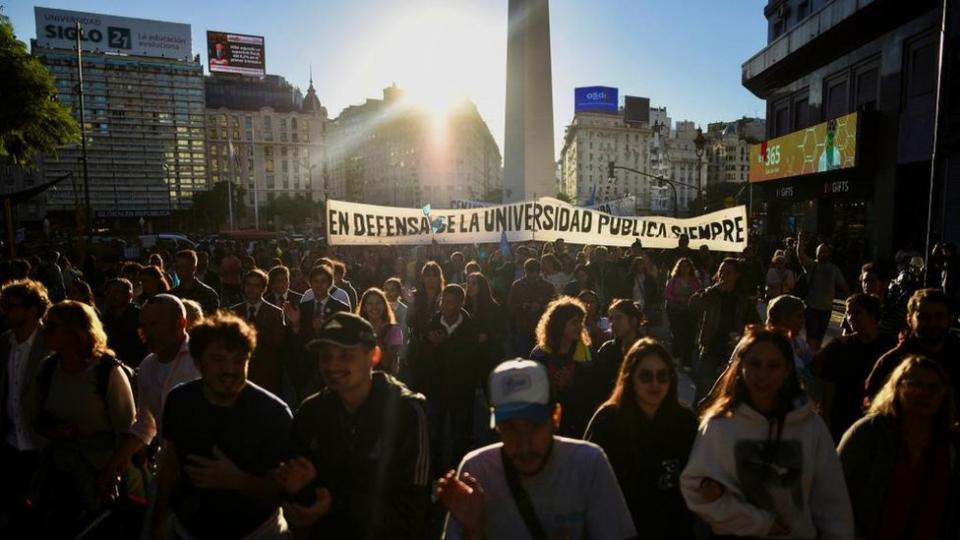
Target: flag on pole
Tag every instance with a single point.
(593, 196)
(234, 155)
(504, 245)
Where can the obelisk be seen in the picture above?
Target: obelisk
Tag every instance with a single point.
(528, 164)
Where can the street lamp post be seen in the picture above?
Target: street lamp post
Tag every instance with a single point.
(88, 219)
(612, 166)
(700, 142)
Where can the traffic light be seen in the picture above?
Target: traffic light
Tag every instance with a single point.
(610, 165)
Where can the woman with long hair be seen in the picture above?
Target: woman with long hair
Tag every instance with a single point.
(647, 435)
(597, 327)
(563, 346)
(152, 282)
(900, 460)
(626, 325)
(682, 285)
(763, 463)
(82, 405)
(426, 301)
(80, 291)
(375, 309)
(488, 317)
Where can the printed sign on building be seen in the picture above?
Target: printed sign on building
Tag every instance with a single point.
(56, 29)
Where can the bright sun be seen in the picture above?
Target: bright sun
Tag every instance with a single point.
(440, 55)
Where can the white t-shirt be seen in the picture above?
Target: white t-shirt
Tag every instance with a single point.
(576, 492)
(154, 381)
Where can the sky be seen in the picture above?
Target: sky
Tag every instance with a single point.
(682, 54)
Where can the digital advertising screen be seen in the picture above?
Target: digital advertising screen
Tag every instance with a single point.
(596, 99)
(827, 146)
(237, 54)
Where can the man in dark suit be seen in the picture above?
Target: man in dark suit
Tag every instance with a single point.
(279, 283)
(22, 350)
(267, 318)
(304, 320)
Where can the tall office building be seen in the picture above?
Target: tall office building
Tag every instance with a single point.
(143, 94)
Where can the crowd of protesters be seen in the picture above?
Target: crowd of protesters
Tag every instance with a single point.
(295, 390)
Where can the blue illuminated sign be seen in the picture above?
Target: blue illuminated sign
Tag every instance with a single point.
(596, 99)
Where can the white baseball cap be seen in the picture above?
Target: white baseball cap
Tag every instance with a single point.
(520, 389)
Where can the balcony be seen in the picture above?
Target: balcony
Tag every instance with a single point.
(836, 29)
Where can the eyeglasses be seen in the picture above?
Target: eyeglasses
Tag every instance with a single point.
(646, 376)
(915, 385)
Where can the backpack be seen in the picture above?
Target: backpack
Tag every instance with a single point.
(125, 514)
(102, 374)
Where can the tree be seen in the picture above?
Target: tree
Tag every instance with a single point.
(294, 211)
(31, 118)
(561, 196)
(494, 195)
(715, 196)
(211, 208)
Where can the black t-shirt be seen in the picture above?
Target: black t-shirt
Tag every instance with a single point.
(846, 362)
(721, 339)
(254, 433)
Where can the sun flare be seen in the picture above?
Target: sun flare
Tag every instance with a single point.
(440, 56)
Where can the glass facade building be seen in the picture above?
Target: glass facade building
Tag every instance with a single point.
(145, 134)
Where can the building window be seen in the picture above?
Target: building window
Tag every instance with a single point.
(868, 88)
(836, 97)
(781, 118)
(801, 108)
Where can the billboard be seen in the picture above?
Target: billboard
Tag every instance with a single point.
(828, 146)
(56, 29)
(636, 109)
(595, 99)
(239, 54)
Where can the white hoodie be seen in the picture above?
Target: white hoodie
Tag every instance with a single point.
(801, 484)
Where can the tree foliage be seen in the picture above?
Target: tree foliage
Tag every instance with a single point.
(715, 196)
(211, 207)
(494, 195)
(292, 210)
(561, 196)
(31, 118)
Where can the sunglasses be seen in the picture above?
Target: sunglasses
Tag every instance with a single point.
(646, 376)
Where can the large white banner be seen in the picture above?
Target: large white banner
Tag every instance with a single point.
(545, 219)
(108, 33)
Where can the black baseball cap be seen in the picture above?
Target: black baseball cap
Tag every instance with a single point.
(344, 330)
